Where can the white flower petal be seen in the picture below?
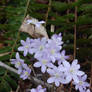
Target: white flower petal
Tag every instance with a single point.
(43, 68)
(80, 73)
(37, 64)
(51, 80)
(21, 48)
(57, 83)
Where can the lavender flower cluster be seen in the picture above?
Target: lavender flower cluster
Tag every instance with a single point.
(48, 52)
(23, 70)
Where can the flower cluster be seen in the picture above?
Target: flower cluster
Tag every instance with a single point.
(38, 89)
(49, 53)
(23, 69)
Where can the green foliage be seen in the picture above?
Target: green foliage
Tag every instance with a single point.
(12, 14)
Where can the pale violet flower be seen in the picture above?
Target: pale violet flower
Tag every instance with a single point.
(82, 84)
(57, 39)
(43, 62)
(56, 76)
(62, 57)
(26, 46)
(38, 89)
(35, 22)
(18, 61)
(25, 73)
(71, 70)
(38, 46)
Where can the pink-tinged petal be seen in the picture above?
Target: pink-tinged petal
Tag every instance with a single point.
(22, 42)
(33, 90)
(37, 64)
(25, 52)
(80, 73)
(43, 68)
(17, 56)
(51, 80)
(75, 78)
(57, 83)
(66, 64)
(50, 71)
(21, 48)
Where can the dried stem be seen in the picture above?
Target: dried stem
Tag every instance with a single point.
(31, 78)
(75, 28)
(49, 7)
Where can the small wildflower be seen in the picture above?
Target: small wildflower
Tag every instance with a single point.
(26, 46)
(17, 62)
(72, 70)
(82, 84)
(62, 57)
(56, 76)
(25, 74)
(43, 62)
(38, 89)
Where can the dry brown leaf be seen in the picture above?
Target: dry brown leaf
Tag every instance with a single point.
(35, 32)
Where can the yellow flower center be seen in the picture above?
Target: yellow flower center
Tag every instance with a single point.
(62, 58)
(52, 51)
(26, 46)
(44, 61)
(80, 82)
(57, 75)
(72, 71)
(18, 63)
(26, 73)
(41, 47)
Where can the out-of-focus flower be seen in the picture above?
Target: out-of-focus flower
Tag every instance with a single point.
(82, 84)
(62, 57)
(56, 76)
(26, 46)
(35, 22)
(38, 89)
(43, 62)
(17, 62)
(72, 70)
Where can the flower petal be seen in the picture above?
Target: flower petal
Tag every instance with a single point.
(51, 80)
(37, 64)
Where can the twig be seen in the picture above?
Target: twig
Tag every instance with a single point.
(18, 88)
(31, 78)
(75, 28)
(8, 67)
(49, 7)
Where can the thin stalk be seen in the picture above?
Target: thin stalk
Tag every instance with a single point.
(75, 29)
